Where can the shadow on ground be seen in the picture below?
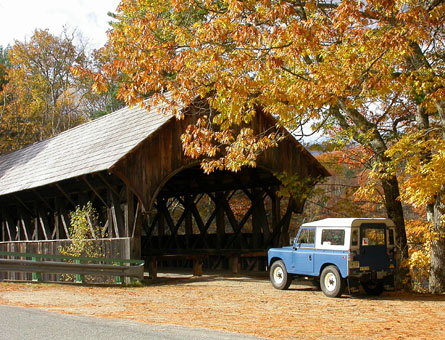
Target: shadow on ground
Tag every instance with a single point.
(185, 278)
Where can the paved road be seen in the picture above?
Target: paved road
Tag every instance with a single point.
(21, 323)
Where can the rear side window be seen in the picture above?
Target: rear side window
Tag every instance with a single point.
(391, 237)
(334, 237)
(307, 236)
(354, 237)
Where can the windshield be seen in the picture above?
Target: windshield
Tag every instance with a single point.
(307, 236)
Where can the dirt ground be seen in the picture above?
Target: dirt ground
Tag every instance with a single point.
(243, 304)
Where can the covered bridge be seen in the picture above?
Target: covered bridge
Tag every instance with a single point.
(151, 200)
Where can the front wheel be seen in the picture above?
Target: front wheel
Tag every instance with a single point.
(331, 282)
(278, 275)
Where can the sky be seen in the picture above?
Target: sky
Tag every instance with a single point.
(19, 18)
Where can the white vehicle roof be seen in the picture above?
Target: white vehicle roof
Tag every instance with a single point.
(347, 222)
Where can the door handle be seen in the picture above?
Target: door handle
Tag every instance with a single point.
(310, 257)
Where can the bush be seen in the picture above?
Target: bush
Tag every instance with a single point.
(85, 233)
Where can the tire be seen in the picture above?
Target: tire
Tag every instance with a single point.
(373, 288)
(331, 282)
(278, 276)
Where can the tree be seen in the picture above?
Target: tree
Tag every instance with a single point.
(345, 64)
(4, 65)
(100, 102)
(43, 96)
(336, 197)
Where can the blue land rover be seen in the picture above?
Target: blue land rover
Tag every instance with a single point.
(336, 253)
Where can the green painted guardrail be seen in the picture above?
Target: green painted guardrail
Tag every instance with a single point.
(79, 267)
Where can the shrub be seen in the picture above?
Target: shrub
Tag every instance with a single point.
(85, 233)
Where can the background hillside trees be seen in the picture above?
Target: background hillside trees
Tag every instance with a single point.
(4, 65)
(41, 96)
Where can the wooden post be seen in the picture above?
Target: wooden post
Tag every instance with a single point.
(197, 266)
(58, 225)
(136, 250)
(129, 213)
(56, 231)
(43, 223)
(153, 268)
(64, 219)
(109, 214)
(118, 217)
(276, 217)
(161, 222)
(188, 200)
(23, 224)
(220, 225)
(35, 233)
(259, 219)
(235, 264)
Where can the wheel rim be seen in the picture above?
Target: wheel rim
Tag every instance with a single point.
(278, 275)
(330, 282)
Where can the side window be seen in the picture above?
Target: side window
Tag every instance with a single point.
(334, 237)
(354, 237)
(307, 236)
(391, 236)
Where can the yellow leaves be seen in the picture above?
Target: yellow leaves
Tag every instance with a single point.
(201, 140)
(418, 233)
(241, 55)
(294, 186)
(421, 156)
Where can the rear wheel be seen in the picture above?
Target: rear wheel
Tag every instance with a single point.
(373, 288)
(278, 275)
(331, 282)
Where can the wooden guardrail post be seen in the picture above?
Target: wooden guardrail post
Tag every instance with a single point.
(36, 277)
(79, 278)
(119, 279)
(153, 268)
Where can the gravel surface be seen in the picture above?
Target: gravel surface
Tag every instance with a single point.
(242, 304)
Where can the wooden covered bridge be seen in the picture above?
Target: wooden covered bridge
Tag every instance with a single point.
(152, 201)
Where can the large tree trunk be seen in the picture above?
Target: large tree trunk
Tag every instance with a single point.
(395, 213)
(435, 211)
(437, 270)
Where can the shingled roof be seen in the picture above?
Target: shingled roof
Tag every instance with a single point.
(87, 148)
